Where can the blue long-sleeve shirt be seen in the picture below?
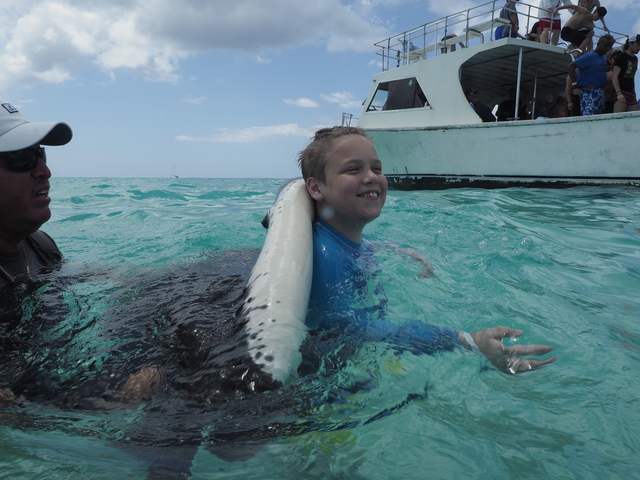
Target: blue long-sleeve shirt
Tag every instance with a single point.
(346, 295)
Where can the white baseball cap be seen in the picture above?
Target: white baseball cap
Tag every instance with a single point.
(16, 132)
(634, 38)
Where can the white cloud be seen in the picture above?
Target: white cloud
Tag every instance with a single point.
(344, 99)
(250, 134)
(301, 102)
(195, 101)
(50, 40)
(262, 60)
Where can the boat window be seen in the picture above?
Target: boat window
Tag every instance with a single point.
(398, 95)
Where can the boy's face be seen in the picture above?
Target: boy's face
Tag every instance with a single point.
(355, 188)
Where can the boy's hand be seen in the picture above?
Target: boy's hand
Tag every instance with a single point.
(509, 359)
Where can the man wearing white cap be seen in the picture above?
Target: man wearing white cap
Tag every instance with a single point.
(24, 194)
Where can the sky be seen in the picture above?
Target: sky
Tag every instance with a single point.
(203, 88)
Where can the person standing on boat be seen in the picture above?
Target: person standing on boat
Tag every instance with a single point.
(623, 78)
(24, 194)
(572, 92)
(589, 73)
(550, 20)
(591, 5)
(578, 30)
(510, 13)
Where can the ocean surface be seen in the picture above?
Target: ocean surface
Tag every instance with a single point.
(154, 270)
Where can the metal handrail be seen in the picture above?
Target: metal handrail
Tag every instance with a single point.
(428, 38)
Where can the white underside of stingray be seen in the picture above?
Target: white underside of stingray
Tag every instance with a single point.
(280, 283)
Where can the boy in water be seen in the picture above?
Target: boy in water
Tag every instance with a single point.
(343, 174)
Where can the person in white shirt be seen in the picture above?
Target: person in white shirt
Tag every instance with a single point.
(550, 21)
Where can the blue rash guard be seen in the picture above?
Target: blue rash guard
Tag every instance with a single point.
(346, 295)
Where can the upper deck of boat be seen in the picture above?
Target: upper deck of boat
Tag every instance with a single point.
(469, 27)
(438, 76)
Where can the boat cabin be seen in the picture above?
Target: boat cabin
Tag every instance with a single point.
(428, 68)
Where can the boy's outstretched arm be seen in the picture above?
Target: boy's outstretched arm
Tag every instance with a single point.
(427, 268)
(506, 359)
(420, 338)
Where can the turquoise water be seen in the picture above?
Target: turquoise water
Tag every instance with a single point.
(562, 265)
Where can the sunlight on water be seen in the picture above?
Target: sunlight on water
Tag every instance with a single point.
(562, 265)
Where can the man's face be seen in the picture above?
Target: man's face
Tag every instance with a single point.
(604, 45)
(634, 47)
(24, 200)
(355, 189)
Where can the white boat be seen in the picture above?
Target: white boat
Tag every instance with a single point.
(429, 137)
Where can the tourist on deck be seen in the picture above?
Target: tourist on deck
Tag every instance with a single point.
(449, 45)
(578, 30)
(572, 92)
(534, 34)
(507, 108)
(610, 90)
(543, 106)
(559, 109)
(592, 78)
(550, 20)
(623, 77)
(480, 108)
(591, 5)
(510, 13)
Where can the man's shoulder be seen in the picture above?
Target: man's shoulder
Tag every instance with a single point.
(43, 239)
(44, 245)
(590, 56)
(621, 60)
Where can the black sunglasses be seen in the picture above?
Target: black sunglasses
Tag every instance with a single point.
(23, 160)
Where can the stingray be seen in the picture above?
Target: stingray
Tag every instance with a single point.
(187, 321)
(232, 365)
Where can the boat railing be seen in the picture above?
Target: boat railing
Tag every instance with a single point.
(464, 29)
(348, 119)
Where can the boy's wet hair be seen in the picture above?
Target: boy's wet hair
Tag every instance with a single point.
(313, 159)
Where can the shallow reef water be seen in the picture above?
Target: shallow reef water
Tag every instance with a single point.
(154, 273)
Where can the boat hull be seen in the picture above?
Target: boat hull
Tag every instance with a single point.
(565, 152)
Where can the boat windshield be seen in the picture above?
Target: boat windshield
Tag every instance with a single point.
(398, 95)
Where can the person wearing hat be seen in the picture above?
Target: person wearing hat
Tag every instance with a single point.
(24, 194)
(623, 77)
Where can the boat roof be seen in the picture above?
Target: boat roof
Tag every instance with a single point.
(494, 70)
